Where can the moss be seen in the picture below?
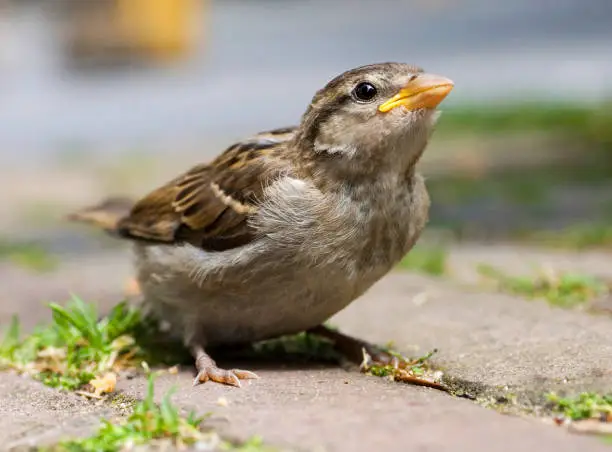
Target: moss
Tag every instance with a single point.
(586, 405)
(122, 402)
(254, 444)
(417, 371)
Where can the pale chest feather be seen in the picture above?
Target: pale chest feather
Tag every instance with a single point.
(363, 234)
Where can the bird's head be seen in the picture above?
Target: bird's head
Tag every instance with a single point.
(373, 118)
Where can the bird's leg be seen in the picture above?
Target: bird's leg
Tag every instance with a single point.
(208, 370)
(367, 355)
(352, 348)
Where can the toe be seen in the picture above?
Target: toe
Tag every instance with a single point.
(375, 356)
(225, 377)
(382, 357)
(245, 374)
(201, 377)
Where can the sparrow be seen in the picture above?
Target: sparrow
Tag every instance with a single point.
(286, 228)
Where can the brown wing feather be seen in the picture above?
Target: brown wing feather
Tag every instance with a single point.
(210, 204)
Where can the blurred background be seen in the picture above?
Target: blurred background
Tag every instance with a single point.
(103, 97)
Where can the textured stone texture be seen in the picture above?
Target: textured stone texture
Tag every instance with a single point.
(487, 342)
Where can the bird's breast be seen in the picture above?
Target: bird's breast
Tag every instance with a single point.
(356, 234)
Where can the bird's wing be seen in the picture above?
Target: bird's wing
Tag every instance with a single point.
(208, 205)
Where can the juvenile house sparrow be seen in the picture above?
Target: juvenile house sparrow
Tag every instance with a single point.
(286, 228)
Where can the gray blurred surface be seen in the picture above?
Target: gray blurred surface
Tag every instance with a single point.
(260, 62)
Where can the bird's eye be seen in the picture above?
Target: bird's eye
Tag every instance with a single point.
(365, 92)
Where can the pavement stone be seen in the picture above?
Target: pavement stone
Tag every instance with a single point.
(320, 409)
(490, 345)
(486, 340)
(34, 415)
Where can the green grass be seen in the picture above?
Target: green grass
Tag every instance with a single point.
(149, 423)
(586, 405)
(416, 367)
(28, 255)
(425, 259)
(79, 351)
(159, 425)
(565, 290)
(416, 371)
(76, 347)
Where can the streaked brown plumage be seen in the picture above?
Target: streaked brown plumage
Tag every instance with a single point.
(286, 228)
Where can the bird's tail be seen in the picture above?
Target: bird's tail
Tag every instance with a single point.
(105, 215)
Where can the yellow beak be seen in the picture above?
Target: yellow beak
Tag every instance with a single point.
(425, 91)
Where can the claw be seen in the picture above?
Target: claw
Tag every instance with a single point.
(245, 374)
(208, 371)
(227, 377)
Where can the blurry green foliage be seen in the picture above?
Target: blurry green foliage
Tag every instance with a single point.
(586, 405)
(28, 255)
(565, 290)
(579, 237)
(591, 123)
(425, 258)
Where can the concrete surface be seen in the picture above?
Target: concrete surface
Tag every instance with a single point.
(335, 410)
(489, 341)
(490, 345)
(33, 414)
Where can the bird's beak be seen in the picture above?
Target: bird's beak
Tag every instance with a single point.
(425, 91)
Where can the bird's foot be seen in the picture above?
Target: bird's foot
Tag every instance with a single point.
(208, 371)
(227, 377)
(374, 356)
(357, 350)
(369, 356)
